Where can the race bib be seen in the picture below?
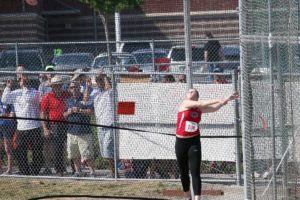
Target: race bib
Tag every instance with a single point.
(191, 126)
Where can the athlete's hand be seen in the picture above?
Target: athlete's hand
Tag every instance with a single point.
(234, 96)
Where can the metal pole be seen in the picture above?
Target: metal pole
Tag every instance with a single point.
(187, 42)
(115, 131)
(282, 117)
(17, 54)
(247, 117)
(274, 189)
(237, 132)
(118, 31)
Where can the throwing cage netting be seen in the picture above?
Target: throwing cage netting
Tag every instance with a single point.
(121, 130)
(270, 81)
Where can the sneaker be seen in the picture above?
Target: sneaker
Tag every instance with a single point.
(266, 175)
(7, 173)
(256, 175)
(61, 174)
(47, 171)
(110, 176)
(92, 175)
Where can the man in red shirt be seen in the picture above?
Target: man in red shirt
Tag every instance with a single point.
(52, 108)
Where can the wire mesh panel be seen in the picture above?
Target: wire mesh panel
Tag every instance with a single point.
(88, 120)
(269, 40)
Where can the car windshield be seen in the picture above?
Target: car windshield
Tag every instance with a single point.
(116, 60)
(143, 58)
(31, 60)
(75, 59)
(178, 54)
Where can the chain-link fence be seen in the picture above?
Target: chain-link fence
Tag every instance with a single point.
(269, 40)
(85, 119)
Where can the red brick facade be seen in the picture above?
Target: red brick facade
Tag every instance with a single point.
(165, 6)
(57, 22)
(149, 6)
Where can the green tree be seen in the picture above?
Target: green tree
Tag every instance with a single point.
(107, 8)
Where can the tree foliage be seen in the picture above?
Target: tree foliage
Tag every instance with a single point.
(106, 8)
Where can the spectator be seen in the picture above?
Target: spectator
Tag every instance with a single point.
(212, 53)
(7, 129)
(82, 79)
(168, 79)
(182, 78)
(80, 138)
(219, 78)
(26, 104)
(32, 83)
(19, 70)
(103, 105)
(52, 108)
(45, 80)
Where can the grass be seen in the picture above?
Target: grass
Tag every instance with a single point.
(25, 189)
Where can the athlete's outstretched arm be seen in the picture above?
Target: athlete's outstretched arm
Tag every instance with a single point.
(214, 104)
(217, 106)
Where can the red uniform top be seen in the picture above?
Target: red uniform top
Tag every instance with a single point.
(187, 122)
(54, 106)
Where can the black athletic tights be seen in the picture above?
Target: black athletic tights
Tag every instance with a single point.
(188, 154)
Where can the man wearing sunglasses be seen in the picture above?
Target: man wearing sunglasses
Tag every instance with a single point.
(80, 137)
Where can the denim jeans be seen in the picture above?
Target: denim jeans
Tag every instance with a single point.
(211, 68)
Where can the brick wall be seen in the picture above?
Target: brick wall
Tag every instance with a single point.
(78, 27)
(154, 6)
(149, 6)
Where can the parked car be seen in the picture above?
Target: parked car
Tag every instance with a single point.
(31, 59)
(232, 56)
(177, 58)
(134, 46)
(73, 61)
(151, 60)
(120, 62)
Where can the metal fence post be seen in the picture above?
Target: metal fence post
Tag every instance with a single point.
(187, 41)
(17, 58)
(237, 131)
(247, 116)
(274, 194)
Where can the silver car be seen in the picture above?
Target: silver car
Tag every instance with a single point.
(120, 62)
(73, 61)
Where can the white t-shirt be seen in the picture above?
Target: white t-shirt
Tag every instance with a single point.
(103, 105)
(26, 103)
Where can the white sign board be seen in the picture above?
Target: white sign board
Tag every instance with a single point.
(156, 106)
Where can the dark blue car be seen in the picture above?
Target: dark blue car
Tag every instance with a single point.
(231, 57)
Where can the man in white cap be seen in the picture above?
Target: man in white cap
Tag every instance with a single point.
(52, 108)
(26, 103)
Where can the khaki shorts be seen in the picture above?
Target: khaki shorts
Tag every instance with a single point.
(80, 146)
